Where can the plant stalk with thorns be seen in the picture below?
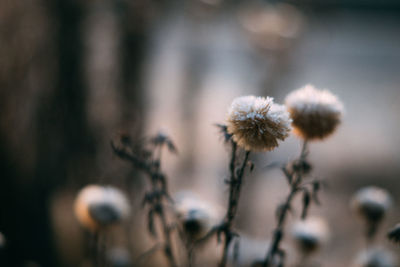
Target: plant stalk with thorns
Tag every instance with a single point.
(294, 172)
(149, 162)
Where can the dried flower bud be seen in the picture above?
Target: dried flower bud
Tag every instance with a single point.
(315, 113)
(371, 203)
(119, 257)
(310, 234)
(394, 234)
(257, 123)
(99, 206)
(196, 217)
(375, 257)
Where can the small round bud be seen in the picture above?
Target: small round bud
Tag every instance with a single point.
(310, 234)
(371, 203)
(315, 113)
(196, 216)
(257, 123)
(100, 206)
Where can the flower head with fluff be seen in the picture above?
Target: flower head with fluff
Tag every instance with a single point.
(257, 123)
(196, 216)
(371, 203)
(99, 206)
(310, 234)
(315, 113)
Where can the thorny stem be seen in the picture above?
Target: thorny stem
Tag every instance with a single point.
(235, 184)
(295, 181)
(158, 192)
(159, 208)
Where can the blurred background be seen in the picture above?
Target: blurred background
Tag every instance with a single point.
(74, 73)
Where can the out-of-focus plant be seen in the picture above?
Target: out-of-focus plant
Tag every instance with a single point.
(254, 124)
(146, 157)
(371, 204)
(309, 235)
(98, 208)
(195, 217)
(315, 114)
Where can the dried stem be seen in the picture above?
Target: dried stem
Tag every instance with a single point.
(295, 178)
(159, 191)
(235, 184)
(98, 248)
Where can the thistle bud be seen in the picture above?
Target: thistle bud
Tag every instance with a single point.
(99, 206)
(310, 234)
(372, 204)
(196, 216)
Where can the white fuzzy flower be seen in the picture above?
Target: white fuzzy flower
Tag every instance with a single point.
(310, 234)
(375, 257)
(257, 123)
(371, 203)
(99, 206)
(195, 215)
(315, 113)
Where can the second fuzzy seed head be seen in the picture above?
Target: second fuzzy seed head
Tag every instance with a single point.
(315, 113)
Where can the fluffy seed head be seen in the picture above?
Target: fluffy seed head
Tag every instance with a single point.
(310, 234)
(375, 257)
(315, 113)
(257, 123)
(371, 203)
(196, 216)
(99, 206)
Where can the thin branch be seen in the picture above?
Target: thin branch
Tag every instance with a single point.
(159, 189)
(295, 179)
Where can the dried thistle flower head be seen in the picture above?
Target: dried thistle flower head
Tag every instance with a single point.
(257, 123)
(196, 216)
(375, 257)
(394, 234)
(315, 113)
(99, 206)
(371, 203)
(310, 234)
